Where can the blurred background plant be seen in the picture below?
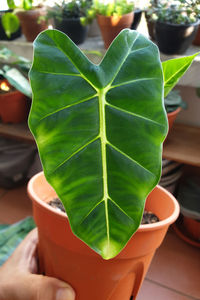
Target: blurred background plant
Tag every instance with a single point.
(10, 20)
(15, 69)
(174, 11)
(173, 101)
(72, 9)
(113, 7)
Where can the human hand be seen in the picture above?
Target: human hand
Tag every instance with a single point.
(19, 279)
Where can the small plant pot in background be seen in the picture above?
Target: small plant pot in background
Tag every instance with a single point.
(197, 38)
(171, 173)
(150, 27)
(3, 35)
(73, 28)
(172, 117)
(13, 107)
(188, 224)
(111, 26)
(192, 227)
(136, 19)
(63, 255)
(31, 24)
(175, 38)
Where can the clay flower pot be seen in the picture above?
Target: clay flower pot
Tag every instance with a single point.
(172, 117)
(110, 27)
(13, 106)
(63, 255)
(30, 23)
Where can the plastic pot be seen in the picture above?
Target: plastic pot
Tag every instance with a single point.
(137, 18)
(150, 27)
(63, 255)
(175, 38)
(13, 107)
(192, 227)
(73, 28)
(30, 23)
(110, 27)
(188, 196)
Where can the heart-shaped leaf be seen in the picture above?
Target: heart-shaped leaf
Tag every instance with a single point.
(99, 130)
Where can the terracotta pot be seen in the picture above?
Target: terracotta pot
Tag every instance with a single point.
(172, 117)
(197, 38)
(63, 255)
(13, 107)
(110, 27)
(192, 227)
(30, 24)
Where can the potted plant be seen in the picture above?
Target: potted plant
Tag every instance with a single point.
(112, 17)
(72, 18)
(187, 225)
(14, 88)
(100, 144)
(138, 11)
(176, 25)
(3, 35)
(197, 37)
(29, 14)
(173, 104)
(151, 17)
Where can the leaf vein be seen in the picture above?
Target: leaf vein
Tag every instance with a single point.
(130, 158)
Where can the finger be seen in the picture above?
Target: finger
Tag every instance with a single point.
(24, 257)
(37, 287)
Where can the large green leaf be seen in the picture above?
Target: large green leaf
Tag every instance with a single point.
(99, 130)
(174, 69)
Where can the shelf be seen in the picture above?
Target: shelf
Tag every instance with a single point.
(183, 145)
(17, 131)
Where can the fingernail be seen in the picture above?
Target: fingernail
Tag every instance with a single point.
(65, 294)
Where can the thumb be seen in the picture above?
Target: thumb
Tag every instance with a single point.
(37, 287)
(51, 289)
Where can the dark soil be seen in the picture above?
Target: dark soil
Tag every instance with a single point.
(56, 203)
(148, 217)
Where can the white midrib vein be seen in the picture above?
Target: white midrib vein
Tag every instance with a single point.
(102, 121)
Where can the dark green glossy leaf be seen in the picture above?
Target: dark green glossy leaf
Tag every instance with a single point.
(174, 69)
(99, 130)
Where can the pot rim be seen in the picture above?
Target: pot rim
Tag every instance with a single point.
(115, 16)
(144, 227)
(178, 25)
(174, 112)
